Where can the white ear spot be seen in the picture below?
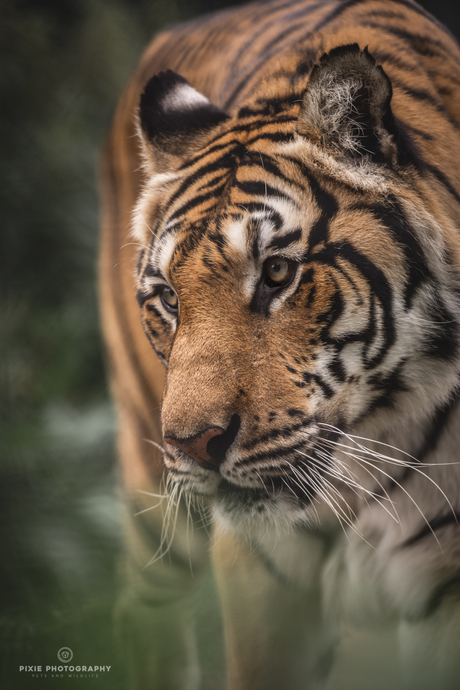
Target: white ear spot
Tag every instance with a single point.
(183, 97)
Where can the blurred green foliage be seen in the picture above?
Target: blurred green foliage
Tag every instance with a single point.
(64, 63)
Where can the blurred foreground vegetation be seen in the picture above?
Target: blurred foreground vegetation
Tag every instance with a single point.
(64, 62)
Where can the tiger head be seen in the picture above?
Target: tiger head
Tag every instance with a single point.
(295, 281)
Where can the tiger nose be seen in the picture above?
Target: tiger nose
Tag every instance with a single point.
(208, 448)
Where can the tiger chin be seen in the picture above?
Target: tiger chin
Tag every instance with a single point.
(297, 250)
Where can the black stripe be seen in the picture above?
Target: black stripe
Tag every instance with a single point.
(284, 432)
(262, 123)
(252, 231)
(139, 261)
(218, 239)
(152, 338)
(439, 423)
(425, 45)
(237, 149)
(336, 13)
(299, 14)
(151, 330)
(337, 369)
(326, 203)
(275, 137)
(142, 297)
(426, 97)
(271, 568)
(262, 160)
(285, 240)
(449, 588)
(263, 27)
(444, 180)
(276, 453)
(392, 217)
(266, 164)
(151, 272)
(350, 280)
(232, 143)
(387, 386)
(327, 390)
(383, 56)
(193, 203)
(438, 523)
(223, 163)
(152, 308)
(427, 136)
(265, 53)
(212, 184)
(418, 94)
(430, 441)
(268, 211)
(258, 188)
(424, 13)
(237, 90)
(380, 286)
(442, 342)
(270, 106)
(189, 241)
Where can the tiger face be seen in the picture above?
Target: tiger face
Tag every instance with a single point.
(296, 283)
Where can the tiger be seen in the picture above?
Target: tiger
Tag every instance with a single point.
(280, 290)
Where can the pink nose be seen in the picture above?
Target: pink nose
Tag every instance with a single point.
(196, 446)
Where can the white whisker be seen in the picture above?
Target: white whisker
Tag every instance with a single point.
(394, 461)
(403, 489)
(357, 488)
(396, 517)
(146, 510)
(156, 445)
(149, 493)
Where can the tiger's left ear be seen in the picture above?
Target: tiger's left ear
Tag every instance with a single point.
(175, 120)
(346, 106)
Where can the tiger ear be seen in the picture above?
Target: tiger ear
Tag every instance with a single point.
(346, 106)
(174, 120)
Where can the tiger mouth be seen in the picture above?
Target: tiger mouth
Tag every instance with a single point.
(286, 480)
(286, 486)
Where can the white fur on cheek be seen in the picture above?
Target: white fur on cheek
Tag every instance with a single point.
(140, 224)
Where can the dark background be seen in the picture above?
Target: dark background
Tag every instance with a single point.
(64, 63)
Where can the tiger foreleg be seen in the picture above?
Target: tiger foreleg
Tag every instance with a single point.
(274, 632)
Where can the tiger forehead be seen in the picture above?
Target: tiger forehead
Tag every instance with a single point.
(254, 229)
(256, 219)
(229, 174)
(222, 194)
(238, 245)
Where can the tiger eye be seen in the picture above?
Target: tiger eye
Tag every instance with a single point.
(278, 271)
(169, 299)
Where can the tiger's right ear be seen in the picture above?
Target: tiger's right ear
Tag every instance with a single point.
(175, 120)
(346, 109)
